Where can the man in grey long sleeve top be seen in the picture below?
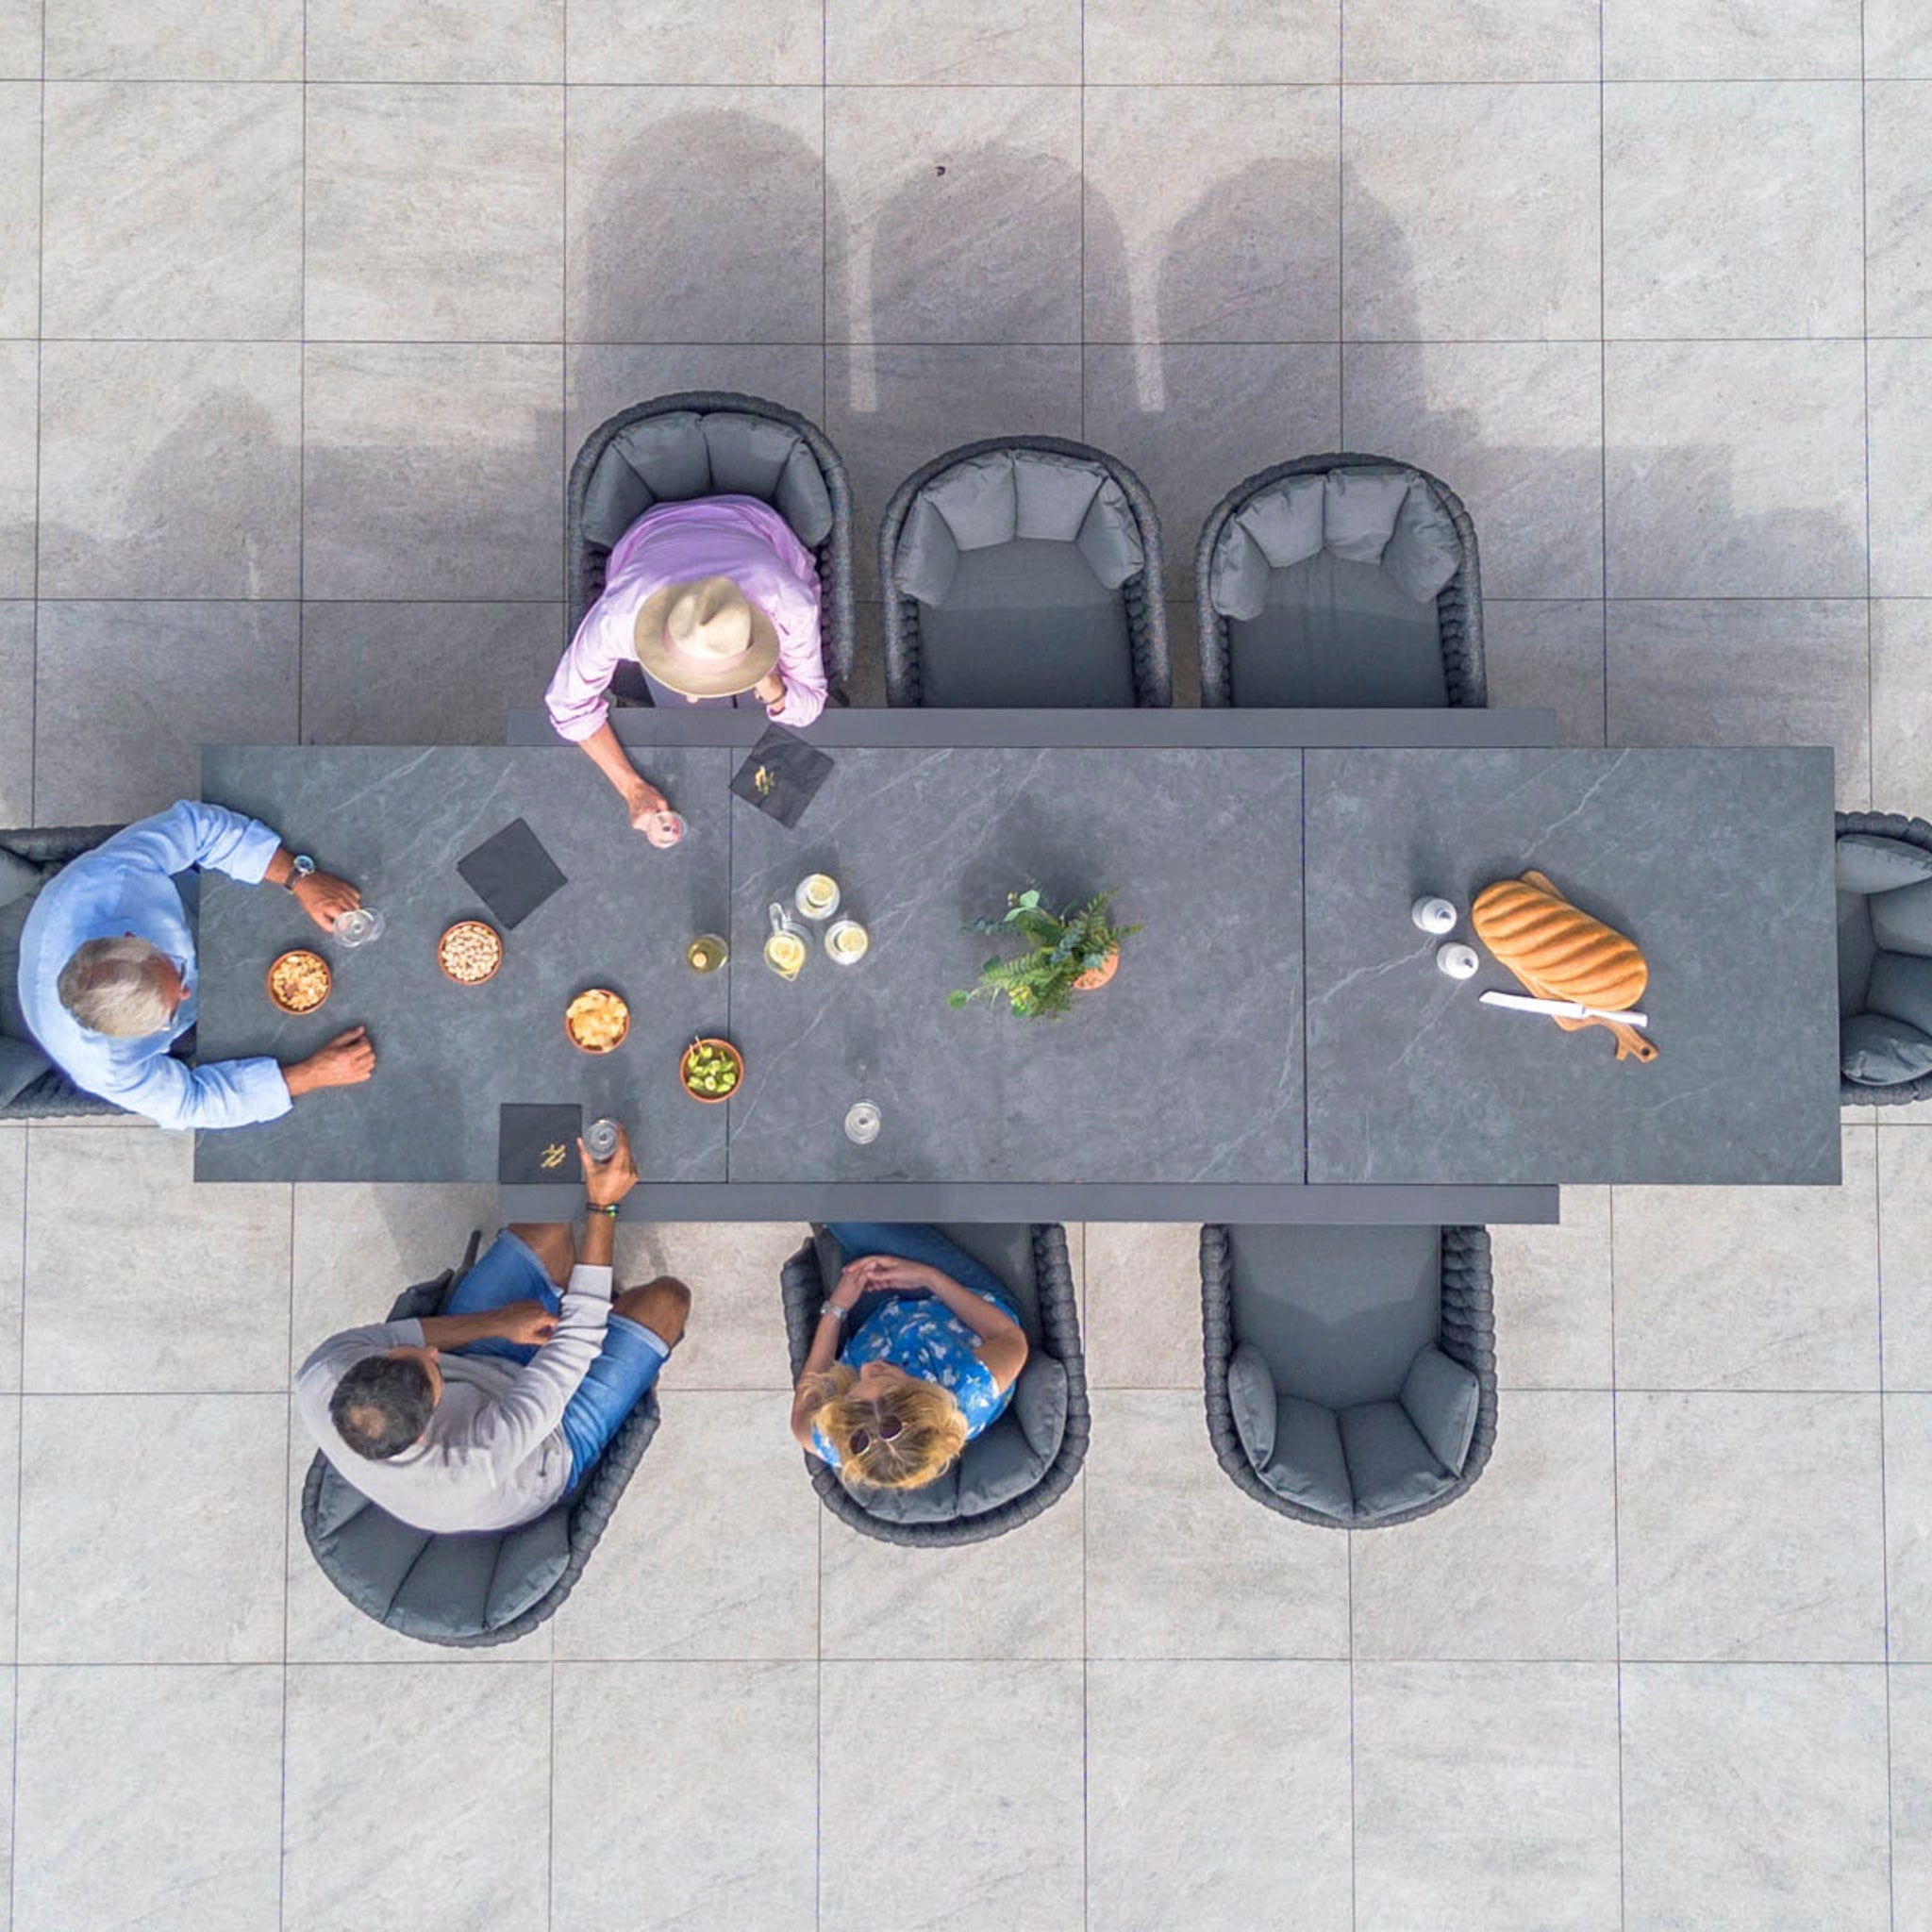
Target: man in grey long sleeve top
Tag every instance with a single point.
(485, 1415)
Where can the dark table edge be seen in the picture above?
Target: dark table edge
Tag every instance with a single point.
(1023, 1201)
(1097, 729)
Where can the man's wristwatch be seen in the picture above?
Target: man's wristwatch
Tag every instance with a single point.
(303, 868)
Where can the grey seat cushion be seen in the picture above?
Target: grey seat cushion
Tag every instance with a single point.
(1876, 1051)
(1391, 1467)
(1856, 949)
(1308, 1465)
(1902, 918)
(1441, 1398)
(1336, 633)
(12, 919)
(681, 454)
(1901, 989)
(1026, 623)
(1871, 862)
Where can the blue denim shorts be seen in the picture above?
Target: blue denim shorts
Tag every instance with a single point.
(612, 1386)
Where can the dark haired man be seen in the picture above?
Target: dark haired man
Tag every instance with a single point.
(485, 1415)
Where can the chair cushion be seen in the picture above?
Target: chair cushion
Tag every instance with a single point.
(529, 1559)
(748, 454)
(1011, 1454)
(1039, 1404)
(1109, 538)
(1441, 1398)
(1856, 949)
(12, 921)
(1876, 1051)
(804, 499)
(977, 500)
(1052, 494)
(21, 1063)
(1308, 1466)
(19, 878)
(1901, 989)
(1026, 623)
(1238, 577)
(1389, 1466)
(1870, 863)
(1285, 520)
(1331, 632)
(935, 1502)
(1424, 552)
(365, 1551)
(1358, 512)
(927, 559)
(1902, 919)
(1251, 1396)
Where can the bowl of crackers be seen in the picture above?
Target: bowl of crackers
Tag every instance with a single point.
(596, 1020)
(469, 952)
(298, 982)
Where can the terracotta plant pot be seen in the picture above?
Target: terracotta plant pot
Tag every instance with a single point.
(1093, 980)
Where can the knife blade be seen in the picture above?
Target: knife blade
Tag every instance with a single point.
(1563, 1010)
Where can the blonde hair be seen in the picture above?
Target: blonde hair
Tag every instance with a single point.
(110, 987)
(932, 1429)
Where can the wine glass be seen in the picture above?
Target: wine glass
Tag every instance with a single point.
(358, 925)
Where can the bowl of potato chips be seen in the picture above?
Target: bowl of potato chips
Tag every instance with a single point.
(596, 1020)
(298, 982)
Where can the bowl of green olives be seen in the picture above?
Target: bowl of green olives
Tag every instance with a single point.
(710, 1070)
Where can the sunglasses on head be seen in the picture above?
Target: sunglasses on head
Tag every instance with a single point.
(887, 1431)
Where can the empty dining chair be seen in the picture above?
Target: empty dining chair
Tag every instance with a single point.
(1339, 581)
(1351, 1372)
(712, 442)
(1026, 572)
(1027, 1459)
(1883, 873)
(481, 1588)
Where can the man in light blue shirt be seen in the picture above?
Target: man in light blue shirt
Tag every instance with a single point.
(107, 971)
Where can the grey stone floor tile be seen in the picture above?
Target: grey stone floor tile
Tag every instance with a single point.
(173, 210)
(1898, 206)
(9, 1524)
(148, 1797)
(198, 673)
(716, 1823)
(1733, 210)
(1901, 410)
(1469, 39)
(368, 1744)
(1143, 1304)
(1911, 1717)
(1737, 671)
(1181, 1563)
(1192, 419)
(1552, 1297)
(1017, 1595)
(601, 379)
(695, 213)
(741, 42)
(1901, 704)
(151, 1528)
(1908, 1528)
(1206, 225)
(953, 214)
(1898, 40)
(481, 260)
(1159, 41)
(1905, 1250)
(432, 470)
(17, 719)
(890, 408)
(1515, 429)
(982, 41)
(1709, 39)
(1735, 469)
(423, 673)
(174, 39)
(1485, 1795)
(435, 39)
(170, 468)
(1421, 163)
(1754, 1794)
(1005, 1826)
(1209, 1785)
(736, 1336)
(20, 40)
(20, 208)
(1748, 1529)
(1548, 655)
(18, 465)
(1521, 1566)
(1750, 1287)
(714, 1551)
(117, 1232)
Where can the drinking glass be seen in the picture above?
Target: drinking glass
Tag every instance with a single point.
(817, 896)
(862, 1123)
(600, 1139)
(846, 941)
(785, 947)
(707, 953)
(358, 925)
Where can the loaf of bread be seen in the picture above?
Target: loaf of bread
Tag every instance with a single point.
(1559, 952)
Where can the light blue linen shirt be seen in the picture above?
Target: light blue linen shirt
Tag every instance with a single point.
(126, 885)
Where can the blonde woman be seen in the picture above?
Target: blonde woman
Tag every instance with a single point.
(930, 1363)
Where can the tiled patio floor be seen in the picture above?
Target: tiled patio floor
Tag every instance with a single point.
(303, 311)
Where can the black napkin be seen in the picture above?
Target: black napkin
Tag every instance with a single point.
(511, 873)
(528, 1139)
(781, 774)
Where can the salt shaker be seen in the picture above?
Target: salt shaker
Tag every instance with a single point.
(1433, 915)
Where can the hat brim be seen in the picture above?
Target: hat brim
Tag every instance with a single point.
(653, 649)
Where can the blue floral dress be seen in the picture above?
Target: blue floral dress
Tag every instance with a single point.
(920, 1335)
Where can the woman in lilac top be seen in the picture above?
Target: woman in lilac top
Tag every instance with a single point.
(718, 601)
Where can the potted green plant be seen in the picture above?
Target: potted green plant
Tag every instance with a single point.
(1074, 950)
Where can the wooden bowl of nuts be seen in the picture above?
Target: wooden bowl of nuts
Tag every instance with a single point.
(469, 952)
(298, 982)
(596, 1020)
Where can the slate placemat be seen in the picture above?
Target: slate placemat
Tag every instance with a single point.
(511, 873)
(781, 774)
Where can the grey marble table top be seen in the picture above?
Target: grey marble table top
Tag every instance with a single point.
(1718, 864)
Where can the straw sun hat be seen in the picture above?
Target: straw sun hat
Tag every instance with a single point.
(705, 638)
